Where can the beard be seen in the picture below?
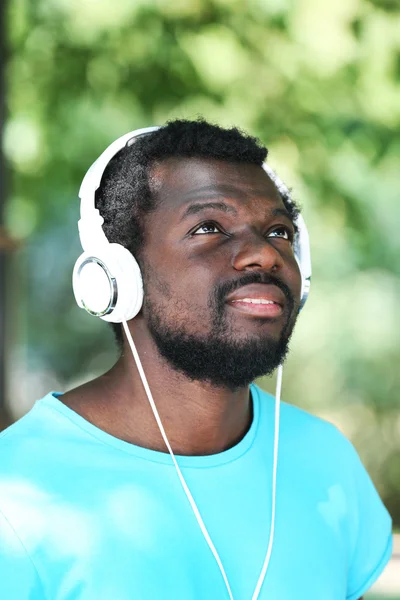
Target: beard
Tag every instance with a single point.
(226, 357)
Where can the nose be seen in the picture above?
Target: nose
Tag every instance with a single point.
(255, 252)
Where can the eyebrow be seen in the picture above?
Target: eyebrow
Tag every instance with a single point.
(198, 207)
(195, 208)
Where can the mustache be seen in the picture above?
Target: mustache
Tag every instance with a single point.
(227, 287)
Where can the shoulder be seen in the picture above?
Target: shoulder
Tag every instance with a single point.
(17, 434)
(317, 458)
(30, 439)
(300, 427)
(313, 446)
(21, 497)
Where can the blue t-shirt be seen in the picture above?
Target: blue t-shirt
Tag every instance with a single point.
(86, 516)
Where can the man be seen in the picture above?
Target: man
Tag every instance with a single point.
(91, 504)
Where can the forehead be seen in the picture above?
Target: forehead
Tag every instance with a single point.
(176, 181)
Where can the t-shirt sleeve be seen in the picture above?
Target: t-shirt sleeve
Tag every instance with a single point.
(18, 577)
(372, 538)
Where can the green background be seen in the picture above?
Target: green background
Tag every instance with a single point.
(317, 81)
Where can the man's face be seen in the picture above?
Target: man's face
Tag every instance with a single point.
(222, 286)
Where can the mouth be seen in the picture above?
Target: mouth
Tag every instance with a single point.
(260, 300)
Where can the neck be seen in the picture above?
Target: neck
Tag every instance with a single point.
(198, 418)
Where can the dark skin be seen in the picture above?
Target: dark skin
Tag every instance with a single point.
(199, 418)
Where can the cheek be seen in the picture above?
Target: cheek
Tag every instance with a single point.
(155, 283)
(182, 294)
(185, 277)
(191, 287)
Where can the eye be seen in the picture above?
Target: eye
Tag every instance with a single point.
(282, 232)
(206, 228)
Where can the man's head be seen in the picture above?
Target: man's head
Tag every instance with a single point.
(193, 204)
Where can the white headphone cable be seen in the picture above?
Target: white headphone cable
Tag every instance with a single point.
(274, 472)
(183, 482)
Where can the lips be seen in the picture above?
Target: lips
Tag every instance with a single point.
(258, 291)
(262, 300)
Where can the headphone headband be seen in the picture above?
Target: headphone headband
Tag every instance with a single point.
(90, 224)
(92, 179)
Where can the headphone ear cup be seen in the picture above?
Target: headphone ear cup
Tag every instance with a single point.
(129, 285)
(76, 280)
(108, 284)
(94, 284)
(305, 283)
(302, 280)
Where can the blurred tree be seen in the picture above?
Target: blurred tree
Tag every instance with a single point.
(317, 82)
(5, 241)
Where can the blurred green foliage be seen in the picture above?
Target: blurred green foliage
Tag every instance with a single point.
(318, 82)
(373, 597)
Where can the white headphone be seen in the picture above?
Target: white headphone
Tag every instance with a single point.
(106, 280)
